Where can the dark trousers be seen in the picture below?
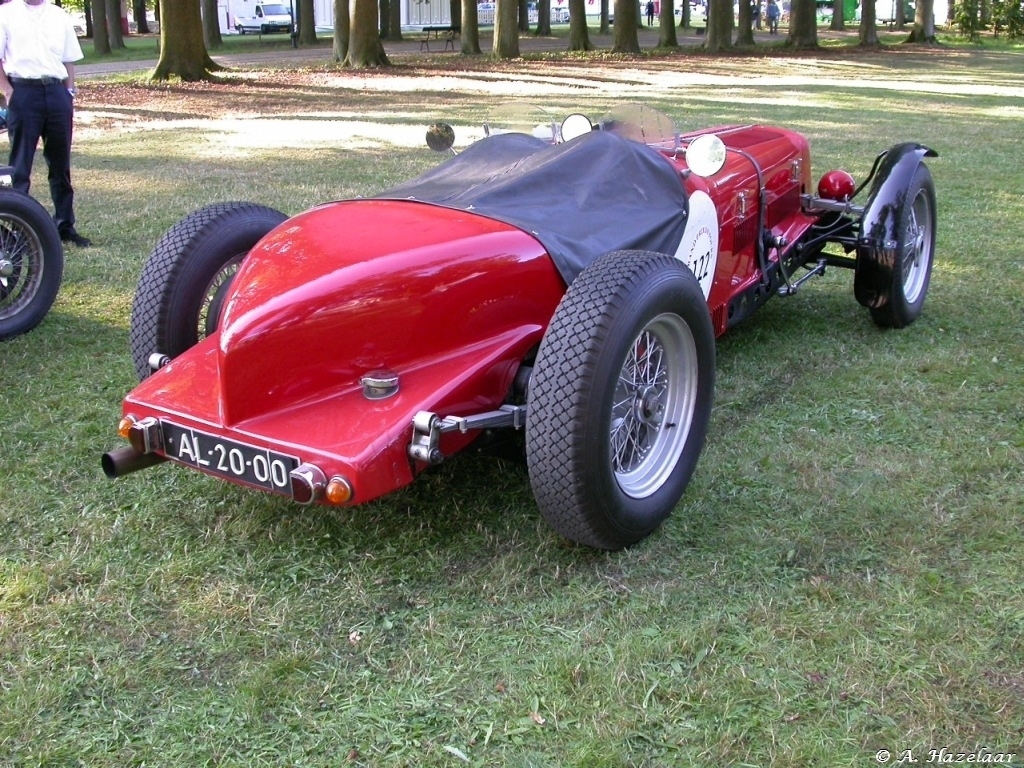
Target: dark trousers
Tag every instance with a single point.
(37, 110)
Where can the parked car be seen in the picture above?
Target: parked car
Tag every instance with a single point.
(558, 283)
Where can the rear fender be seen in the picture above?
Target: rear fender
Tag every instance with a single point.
(880, 226)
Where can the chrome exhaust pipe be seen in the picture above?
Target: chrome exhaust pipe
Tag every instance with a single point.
(124, 461)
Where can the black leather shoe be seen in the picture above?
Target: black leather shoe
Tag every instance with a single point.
(71, 236)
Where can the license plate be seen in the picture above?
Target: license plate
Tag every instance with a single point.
(228, 458)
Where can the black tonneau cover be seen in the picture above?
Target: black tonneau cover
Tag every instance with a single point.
(581, 199)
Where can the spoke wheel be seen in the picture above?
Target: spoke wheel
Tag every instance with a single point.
(187, 279)
(31, 263)
(655, 395)
(910, 275)
(620, 399)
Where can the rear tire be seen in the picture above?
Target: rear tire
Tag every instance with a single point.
(31, 263)
(187, 277)
(915, 249)
(620, 399)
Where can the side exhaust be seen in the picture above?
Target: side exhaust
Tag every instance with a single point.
(124, 461)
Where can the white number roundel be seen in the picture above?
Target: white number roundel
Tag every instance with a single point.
(699, 247)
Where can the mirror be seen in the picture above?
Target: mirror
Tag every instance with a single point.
(440, 137)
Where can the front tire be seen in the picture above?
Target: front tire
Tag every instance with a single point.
(187, 277)
(915, 249)
(620, 399)
(31, 263)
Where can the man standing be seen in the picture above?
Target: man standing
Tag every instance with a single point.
(38, 48)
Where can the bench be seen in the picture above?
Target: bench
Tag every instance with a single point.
(449, 33)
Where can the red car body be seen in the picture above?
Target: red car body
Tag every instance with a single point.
(346, 321)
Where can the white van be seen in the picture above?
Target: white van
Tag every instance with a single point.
(264, 18)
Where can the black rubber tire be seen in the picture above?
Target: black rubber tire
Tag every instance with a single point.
(31, 263)
(183, 284)
(911, 274)
(580, 404)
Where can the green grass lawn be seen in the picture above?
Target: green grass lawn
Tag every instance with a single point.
(843, 575)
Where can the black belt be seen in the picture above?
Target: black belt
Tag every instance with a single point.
(15, 80)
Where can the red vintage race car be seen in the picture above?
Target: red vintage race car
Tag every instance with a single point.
(566, 282)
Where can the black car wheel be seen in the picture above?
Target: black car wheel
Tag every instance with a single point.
(31, 263)
(620, 399)
(184, 283)
(915, 251)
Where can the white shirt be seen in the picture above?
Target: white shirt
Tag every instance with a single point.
(36, 40)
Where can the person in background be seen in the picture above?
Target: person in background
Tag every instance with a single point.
(650, 13)
(38, 48)
(772, 13)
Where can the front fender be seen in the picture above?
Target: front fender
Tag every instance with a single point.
(878, 242)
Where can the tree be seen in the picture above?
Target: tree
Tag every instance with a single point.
(307, 22)
(395, 17)
(470, 28)
(211, 25)
(506, 29)
(719, 32)
(100, 29)
(182, 50)
(524, 16)
(627, 17)
(867, 33)
(342, 27)
(924, 23)
(605, 26)
(745, 33)
(543, 18)
(684, 16)
(838, 20)
(141, 21)
(579, 35)
(364, 46)
(667, 25)
(114, 24)
(803, 24)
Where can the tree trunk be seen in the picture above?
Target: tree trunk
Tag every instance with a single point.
(100, 30)
(684, 16)
(745, 22)
(182, 51)
(579, 35)
(803, 25)
(838, 22)
(506, 29)
(342, 27)
(667, 25)
(867, 33)
(211, 24)
(114, 24)
(395, 23)
(524, 16)
(605, 27)
(627, 15)
(141, 22)
(924, 23)
(383, 18)
(470, 34)
(543, 18)
(719, 31)
(307, 22)
(364, 46)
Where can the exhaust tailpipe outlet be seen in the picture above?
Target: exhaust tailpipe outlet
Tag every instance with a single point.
(124, 461)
